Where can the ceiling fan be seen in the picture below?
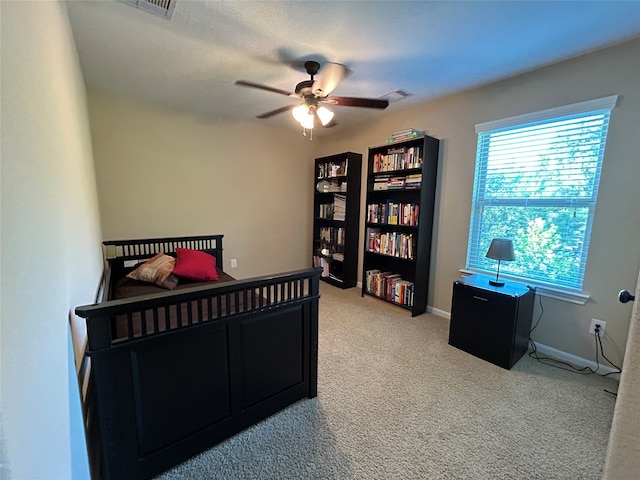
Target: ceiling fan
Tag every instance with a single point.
(315, 92)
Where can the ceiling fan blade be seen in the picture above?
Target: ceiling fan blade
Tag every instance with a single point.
(330, 76)
(357, 102)
(244, 83)
(276, 111)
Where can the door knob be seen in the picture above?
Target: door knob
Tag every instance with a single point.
(624, 296)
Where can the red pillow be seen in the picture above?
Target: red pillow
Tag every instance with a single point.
(195, 265)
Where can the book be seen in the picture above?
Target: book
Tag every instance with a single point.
(389, 284)
(339, 207)
(395, 183)
(323, 263)
(378, 283)
(392, 212)
(331, 169)
(413, 181)
(406, 134)
(380, 182)
(369, 278)
(406, 131)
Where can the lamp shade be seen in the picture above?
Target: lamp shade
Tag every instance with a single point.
(303, 115)
(501, 249)
(325, 115)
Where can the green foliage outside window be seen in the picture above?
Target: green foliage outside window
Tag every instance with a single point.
(537, 183)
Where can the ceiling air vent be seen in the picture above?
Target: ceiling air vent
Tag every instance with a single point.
(161, 8)
(397, 95)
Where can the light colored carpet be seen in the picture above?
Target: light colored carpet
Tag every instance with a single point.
(395, 401)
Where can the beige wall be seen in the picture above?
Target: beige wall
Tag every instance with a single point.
(166, 173)
(50, 250)
(614, 257)
(209, 177)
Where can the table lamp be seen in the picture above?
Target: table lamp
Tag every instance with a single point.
(501, 249)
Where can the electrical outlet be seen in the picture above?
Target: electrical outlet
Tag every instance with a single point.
(234, 263)
(592, 327)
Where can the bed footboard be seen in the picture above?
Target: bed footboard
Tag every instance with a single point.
(242, 351)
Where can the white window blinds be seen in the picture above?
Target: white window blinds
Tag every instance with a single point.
(536, 182)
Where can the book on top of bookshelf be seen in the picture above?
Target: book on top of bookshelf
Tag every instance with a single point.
(406, 134)
(400, 202)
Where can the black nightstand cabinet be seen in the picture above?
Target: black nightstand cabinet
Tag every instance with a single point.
(492, 323)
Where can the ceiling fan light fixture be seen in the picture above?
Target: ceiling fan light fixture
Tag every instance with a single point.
(325, 115)
(300, 112)
(307, 122)
(314, 91)
(303, 115)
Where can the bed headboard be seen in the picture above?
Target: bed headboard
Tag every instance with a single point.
(125, 250)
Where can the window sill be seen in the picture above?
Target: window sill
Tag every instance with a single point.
(543, 290)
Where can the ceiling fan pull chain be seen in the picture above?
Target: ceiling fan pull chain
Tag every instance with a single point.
(304, 132)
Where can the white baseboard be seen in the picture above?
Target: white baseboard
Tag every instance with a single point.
(430, 309)
(579, 362)
(438, 312)
(548, 351)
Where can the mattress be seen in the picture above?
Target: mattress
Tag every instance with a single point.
(169, 312)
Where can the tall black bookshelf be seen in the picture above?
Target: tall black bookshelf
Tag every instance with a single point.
(336, 220)
(400, 201)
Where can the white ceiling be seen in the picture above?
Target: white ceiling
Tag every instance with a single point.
(429, 48)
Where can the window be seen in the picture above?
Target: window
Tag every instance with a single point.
(536, 182)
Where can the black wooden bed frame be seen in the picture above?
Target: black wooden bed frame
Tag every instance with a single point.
(155, 399)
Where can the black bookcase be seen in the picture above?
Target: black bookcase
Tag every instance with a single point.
(336, 217)
(400, 200)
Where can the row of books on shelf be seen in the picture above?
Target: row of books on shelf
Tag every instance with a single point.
(390, 286)
(327, 268)
(407, 134)
(393, 213)
(397, 182)
(325, 210)
(333, 169)
(323, 262)
(335, 210)
(395, 244)
(401, 158)
(333, 235)
(339, 207)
